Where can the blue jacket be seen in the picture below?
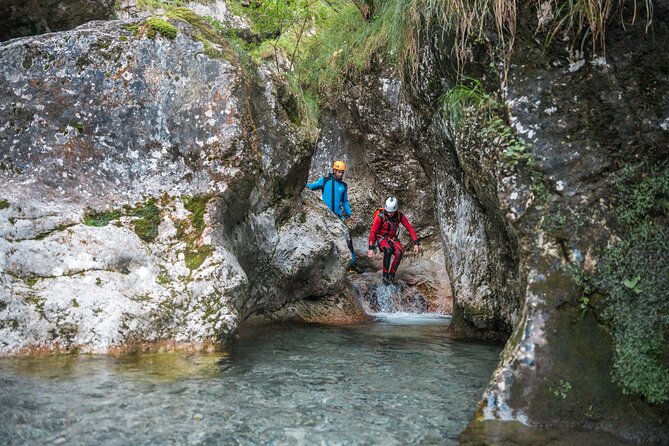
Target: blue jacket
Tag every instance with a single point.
(333, 188)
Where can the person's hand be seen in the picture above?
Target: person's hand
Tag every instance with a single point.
(352, 220)
(370, 253)
(416, 248)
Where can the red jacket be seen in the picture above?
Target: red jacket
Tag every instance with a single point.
(388, 228)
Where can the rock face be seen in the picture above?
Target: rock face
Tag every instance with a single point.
(539, 223)
(151, 191)
(363, 129)
(30, 17)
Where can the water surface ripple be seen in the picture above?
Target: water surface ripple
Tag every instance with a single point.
(384, 383)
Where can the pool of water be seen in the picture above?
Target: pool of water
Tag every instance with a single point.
(401, 380)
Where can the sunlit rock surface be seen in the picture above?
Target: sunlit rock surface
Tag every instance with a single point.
(150, 193)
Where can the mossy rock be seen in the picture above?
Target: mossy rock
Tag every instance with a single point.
(146, 226)
(158, 25)
(100, 218)
(195, 257)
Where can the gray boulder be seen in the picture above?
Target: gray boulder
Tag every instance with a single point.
(151, 191)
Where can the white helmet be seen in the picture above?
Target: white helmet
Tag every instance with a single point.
(391, 204)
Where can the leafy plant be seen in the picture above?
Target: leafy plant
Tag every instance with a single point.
(562, 389)
(633, 283)
(470, 96)
(633, 276)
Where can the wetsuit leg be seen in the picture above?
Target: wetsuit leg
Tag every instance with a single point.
(398, 257)
(387, 254)
(349, 242)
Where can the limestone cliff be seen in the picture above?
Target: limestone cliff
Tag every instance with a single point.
(551, 189)
(150, 190)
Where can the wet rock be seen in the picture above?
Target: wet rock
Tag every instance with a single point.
(363, 129)
(519, 217)
(152, 192)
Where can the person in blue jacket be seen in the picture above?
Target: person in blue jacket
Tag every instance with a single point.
(335, 196)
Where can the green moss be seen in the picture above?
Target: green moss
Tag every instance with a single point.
(636, 283)
(197, 206)
(196, 256)
(648, 198)
(100, 218)
(141, 298)
(74, 303)
(36, 301)
(158, 25)
(27, 62)
(163, 278)
(633, 278)
(4, 204)
(148, 221)
(134, 28)
(215, 44)
(31, 281)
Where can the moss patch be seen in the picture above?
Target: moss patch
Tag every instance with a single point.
(158, 25)
(196, 256)
(100, 218)
(4, 204)
(632, 284)
(215, 45)
(146, 226)
(197, 206)
(163, 278)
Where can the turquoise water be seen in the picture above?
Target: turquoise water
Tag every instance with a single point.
(398, 381)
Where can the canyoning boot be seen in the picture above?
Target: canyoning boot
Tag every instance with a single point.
(354, 269)
(391, 277)
(386, 278)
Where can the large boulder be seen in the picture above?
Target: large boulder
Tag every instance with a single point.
(151, 191)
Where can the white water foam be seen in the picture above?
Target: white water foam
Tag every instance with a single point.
(403, 318)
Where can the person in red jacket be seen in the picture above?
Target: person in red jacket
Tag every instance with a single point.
(384, 235)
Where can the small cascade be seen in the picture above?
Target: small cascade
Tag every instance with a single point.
(379, 298)
(389, 298)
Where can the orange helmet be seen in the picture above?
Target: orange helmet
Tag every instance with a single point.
(339, 165)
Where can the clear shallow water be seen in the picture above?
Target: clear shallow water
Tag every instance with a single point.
(392, 382)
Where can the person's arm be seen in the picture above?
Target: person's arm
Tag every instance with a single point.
(346, 206)
(412, 233)
(318, 184)
(372, 236)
